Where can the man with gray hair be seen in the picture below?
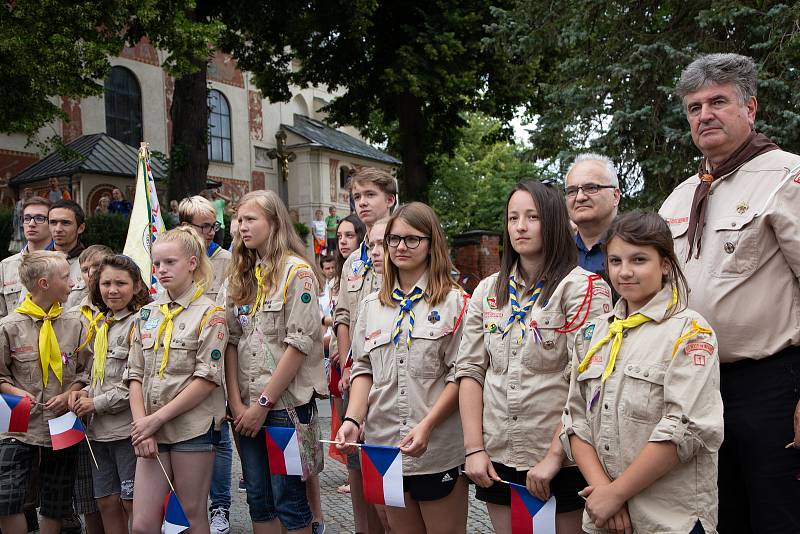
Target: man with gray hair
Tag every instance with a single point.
(592, 189)
(736, 225)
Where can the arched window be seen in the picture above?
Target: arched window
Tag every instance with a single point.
(219, 128)
(123, 106)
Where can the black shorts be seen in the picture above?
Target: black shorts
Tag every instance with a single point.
(564, 487)
(56, 472)
(432, 487)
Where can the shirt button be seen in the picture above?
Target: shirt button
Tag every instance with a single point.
(605, 406)
(630, 367)
(513, 386)
(402, 392)
(252, 380)
(624, 334)
(514, 418)
(729, 247)
(636, 369)
(647, 373)
(401, 360)
(404, 422)
(606, 447)
(514, 352)
(684, 419)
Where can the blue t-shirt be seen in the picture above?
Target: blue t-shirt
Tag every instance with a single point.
(593, 259)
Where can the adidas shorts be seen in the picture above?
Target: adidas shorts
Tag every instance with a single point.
(433, 486)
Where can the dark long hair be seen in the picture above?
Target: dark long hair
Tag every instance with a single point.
(141, 295)
(559, 253)
(644, 229)
(361, 231)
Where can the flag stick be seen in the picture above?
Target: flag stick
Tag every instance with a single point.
(337, 443)
(165, 474)
(91, 452)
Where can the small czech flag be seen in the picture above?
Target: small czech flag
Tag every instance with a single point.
(283, 451)
(14, 413)
(175, 520)
(530, 515)
(66, 431)
(382, 472)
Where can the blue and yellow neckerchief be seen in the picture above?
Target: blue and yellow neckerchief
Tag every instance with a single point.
(406, 305)
(518, 313)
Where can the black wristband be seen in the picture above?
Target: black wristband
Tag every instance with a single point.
(474, 452)
(352, 421)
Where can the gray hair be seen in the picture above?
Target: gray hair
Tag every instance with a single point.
(719, 69)
(611, 169)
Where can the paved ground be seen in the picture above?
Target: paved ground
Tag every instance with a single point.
(336, 507)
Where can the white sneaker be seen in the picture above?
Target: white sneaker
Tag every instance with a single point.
(219, 521)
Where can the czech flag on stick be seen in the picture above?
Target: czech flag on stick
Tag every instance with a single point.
(283, 451)
(175, 520)
(382, 472)
(530, 515)
(66, 431)
(14, 413)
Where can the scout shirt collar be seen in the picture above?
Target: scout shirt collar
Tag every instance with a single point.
(422, 283)
(121, 315)
(522, 281)
(184, 299)
(656, 309)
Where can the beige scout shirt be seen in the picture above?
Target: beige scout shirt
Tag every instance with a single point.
(288, 317)
(354, 286)
(199, 338)
(652, 396)
(112, 418)
(525, 384)
(13, 290)
(80, 290)
(219, 262)
(21, 366)
(746, 278)
(407, 382)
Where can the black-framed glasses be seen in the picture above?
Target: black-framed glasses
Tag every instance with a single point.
(206, 228)
(588, 189)
(37, 219)
(410, 241)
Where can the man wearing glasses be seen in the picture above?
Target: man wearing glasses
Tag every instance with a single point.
(37, 234)
(592, 189)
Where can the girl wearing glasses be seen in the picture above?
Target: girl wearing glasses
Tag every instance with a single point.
(513, 363)
(199, 213)
(404, 351)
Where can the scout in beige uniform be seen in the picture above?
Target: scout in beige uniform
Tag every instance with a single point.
(66, 220)
(513, 363)
(46, 378)
(199, 213)
(117, 292)
(644, 416)
(274, 358)
(736, 226)
(404, 352)
(174, 374)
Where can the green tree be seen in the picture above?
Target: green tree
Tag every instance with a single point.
(418, 65)
(469, 187)
(607, 72)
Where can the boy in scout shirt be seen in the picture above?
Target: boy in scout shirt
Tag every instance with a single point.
(37, 236)
(644, 415)
(274, 358)
(513, 363)
(67, 223)
(47, 377)
(404, 350)
(174, 374)
(374, 192)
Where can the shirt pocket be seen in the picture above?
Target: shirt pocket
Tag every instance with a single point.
(271, 320)
(182, 354)
(28, 364)
(116, 362)
(735, 246)
(497, 348)
(548, 355)
(355, 285)
(678, 228)
(643, 393)
(381, 358)
(11, 294)
(590, 383)
(425, 358)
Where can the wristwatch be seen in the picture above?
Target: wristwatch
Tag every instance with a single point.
(265, 401)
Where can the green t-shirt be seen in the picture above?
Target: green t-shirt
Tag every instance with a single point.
(331, 221)
(219, 207)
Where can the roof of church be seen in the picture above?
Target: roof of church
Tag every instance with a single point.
(96, 154)
(323, 135)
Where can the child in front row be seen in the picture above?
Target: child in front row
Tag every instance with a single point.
(644, 415)
(174, 374)
(47, 378)
(117, 291)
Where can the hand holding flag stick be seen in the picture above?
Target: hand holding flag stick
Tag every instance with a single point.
(338, 443)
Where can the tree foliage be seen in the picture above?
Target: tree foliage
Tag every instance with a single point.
(470, 187)
(607, 72)
(418, 65)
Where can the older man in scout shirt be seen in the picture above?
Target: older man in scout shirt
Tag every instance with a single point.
(736, 225)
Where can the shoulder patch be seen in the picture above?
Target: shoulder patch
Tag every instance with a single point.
(305, 298)
(587, 334)
(216, 354)
(144, 314)
(304, 274)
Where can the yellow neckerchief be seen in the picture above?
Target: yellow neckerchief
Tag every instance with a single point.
(92, 320)
(49, 351)
(166, 328)
(615, 331)
(261, 280)
(100, 351)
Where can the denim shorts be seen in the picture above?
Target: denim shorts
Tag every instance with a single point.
(202, 443)
(270, 496)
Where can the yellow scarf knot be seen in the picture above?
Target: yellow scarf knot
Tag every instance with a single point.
(261, 292)
(100, 351)
(49, 351)
(91, 330)
(615, 332)
(166, 328)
